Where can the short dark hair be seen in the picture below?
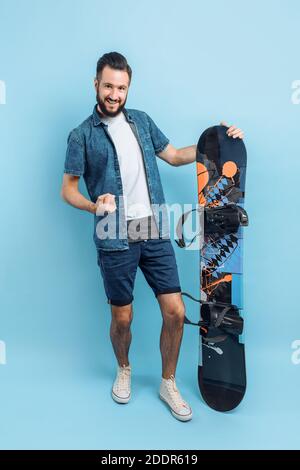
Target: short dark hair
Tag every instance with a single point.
(115, 61)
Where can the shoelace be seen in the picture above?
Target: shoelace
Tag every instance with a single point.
(175, 394)
(123, 377)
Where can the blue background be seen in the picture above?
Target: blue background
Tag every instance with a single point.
(194, 64)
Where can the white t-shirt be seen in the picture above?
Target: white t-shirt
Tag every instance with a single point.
(135, 188)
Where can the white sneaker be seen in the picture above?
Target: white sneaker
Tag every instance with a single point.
(169, 393)
(121, 387)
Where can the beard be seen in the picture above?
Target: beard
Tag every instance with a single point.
(105, 111)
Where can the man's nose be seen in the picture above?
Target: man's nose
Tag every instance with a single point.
(114, 94)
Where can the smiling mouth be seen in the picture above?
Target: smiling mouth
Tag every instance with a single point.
(111, 101)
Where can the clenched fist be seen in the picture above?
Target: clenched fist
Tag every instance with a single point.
(105, 203)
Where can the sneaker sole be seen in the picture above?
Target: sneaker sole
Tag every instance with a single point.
(117, 399)
(176, 415)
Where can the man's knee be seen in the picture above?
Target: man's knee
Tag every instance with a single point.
(174, 313)
(122, 315)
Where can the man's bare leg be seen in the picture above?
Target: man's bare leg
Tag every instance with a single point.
(120, 333)
(173, 311)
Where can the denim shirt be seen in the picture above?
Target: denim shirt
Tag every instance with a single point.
(91, 153)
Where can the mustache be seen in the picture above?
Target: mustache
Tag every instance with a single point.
(101, 103)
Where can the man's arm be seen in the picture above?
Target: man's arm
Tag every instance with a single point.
(177, 157)
(71, 194)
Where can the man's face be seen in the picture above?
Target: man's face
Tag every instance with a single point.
(111, 91)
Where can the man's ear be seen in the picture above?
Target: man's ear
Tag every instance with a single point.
(96, 83)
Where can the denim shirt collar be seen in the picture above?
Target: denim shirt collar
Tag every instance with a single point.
(97, 120)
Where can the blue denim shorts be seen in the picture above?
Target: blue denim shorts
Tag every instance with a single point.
(156, 259)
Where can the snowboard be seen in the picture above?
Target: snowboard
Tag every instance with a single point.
(221, 172)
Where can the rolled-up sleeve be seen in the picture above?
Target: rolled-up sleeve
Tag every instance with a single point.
(75, 155)
(159, 140)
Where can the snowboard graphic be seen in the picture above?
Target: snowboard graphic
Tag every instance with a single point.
(221, 172)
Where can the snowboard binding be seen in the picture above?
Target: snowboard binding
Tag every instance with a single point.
(218, 318)
(223, 220)
(218, 221)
